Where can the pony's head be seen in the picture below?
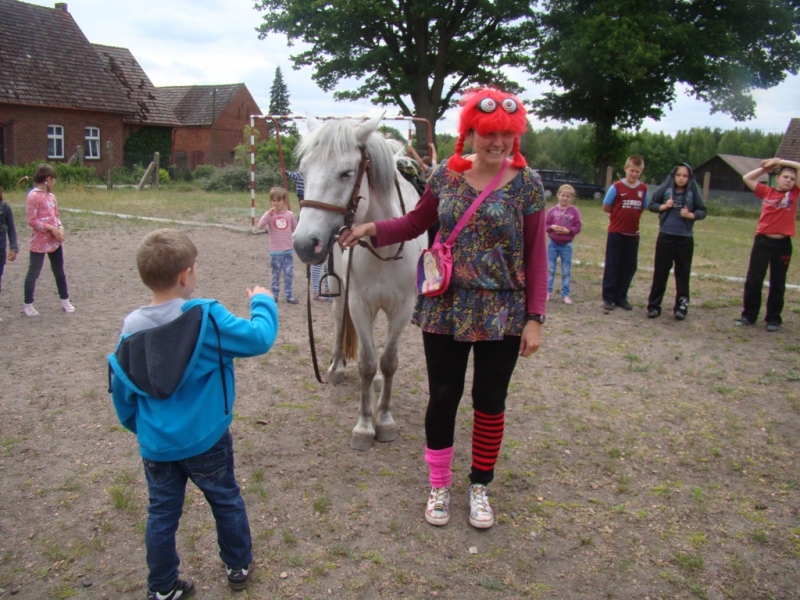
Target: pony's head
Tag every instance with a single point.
(330, 156)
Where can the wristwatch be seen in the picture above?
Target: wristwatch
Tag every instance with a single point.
(535, 317)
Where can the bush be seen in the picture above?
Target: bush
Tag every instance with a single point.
(73, 174)
(237, 178)
(203, 171)
(163, 176)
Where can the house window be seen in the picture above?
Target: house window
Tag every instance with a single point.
(92, 146)
(55, 141)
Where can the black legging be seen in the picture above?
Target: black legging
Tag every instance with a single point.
(35, 268)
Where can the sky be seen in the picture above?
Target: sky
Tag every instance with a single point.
(201, 42)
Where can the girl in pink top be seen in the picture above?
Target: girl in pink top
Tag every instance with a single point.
(280, 224)
(46, 238)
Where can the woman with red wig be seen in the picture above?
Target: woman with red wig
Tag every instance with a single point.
(496, 300)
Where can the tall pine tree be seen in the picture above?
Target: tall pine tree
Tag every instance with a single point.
(279, 103)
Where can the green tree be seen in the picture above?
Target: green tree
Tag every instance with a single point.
(616, 62)
(279, 104)
(414, 54)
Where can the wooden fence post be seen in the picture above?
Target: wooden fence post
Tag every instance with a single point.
(110, 163)
(609, 176)
(157, 162)
(706, 185)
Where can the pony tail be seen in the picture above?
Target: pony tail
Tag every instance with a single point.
(23, 178)
(457, 162)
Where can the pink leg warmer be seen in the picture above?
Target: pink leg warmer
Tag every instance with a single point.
(439, 465)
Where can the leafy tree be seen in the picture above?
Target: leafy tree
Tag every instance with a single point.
(279, 104)
(414, 54)
(616, 62)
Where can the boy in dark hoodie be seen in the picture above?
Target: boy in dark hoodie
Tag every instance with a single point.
(7, 229)
(679, 204)
(172, 382)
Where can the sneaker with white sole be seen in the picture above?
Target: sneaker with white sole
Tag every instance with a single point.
(438, 510)
(239, 578)
(67, 306)
(29, 310)
(481, 515)
(181, 589)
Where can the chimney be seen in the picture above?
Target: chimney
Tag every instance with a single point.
(62, 6)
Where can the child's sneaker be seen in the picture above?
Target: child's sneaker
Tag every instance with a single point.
(480, 513)
(67, 306)
(292, 301)
(181, 589)
(29, 310)
(438, 510)
(239, 578)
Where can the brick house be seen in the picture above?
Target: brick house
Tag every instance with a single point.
(212, 119)
(60, 93)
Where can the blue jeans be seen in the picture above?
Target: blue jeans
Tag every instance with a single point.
(565, 252)
(282, 263)
(212, 472)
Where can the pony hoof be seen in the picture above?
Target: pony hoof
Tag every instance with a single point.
(386, 434)
(336, 377)
(361, 442)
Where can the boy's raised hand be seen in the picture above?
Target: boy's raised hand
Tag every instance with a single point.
(257, 289)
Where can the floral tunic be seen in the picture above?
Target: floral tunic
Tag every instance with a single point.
(42, 212)
(487, 295)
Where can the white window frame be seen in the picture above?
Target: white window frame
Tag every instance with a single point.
(91, 147)
(55, 141)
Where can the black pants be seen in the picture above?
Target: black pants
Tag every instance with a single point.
(446, 359)
(2, 261)
(775, 254)
(35, 268)
(671, 250)
(622, 260)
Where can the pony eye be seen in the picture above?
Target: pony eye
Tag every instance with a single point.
(487, 105)
(510, 105)
(347, 174)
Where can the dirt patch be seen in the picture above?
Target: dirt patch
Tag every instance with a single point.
(642, 458)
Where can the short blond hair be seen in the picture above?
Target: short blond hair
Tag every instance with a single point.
(566, 188)
(278, 193)
(162, 256)
(635, 160)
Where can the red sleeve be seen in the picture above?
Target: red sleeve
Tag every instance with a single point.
(535, 250)
(409, 226)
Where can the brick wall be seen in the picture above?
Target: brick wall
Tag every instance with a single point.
(228, 133)
(25, 134)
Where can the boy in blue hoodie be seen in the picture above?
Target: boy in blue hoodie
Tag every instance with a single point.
(172, 383)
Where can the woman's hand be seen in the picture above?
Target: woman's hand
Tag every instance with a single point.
(531, 338)
(350, 237)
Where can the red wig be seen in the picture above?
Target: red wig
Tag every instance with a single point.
(486, 110)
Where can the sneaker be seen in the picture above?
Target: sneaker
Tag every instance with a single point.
(29, 310)
(480, 513)
(181, 589)
(438, 510)
(609, 306)
(293, 301)
(682, 308)
(773, 327)
(567, 300)
(549, 295)
(653, 313)
(239, 578)
(67, 306)
(625, 305)
(742, 322)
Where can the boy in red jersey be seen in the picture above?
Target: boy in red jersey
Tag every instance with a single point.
(625, 201)
(772, 246)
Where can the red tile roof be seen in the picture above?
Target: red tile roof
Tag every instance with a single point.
(790, 145)
(192, 104)
(46, 60)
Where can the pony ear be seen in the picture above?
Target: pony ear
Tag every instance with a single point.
(367, 128)
(312, 122)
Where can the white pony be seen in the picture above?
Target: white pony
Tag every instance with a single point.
(331, 157)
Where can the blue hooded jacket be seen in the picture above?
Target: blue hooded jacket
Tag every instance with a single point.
(173, 385)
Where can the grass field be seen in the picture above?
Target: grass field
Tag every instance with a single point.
(722, 244)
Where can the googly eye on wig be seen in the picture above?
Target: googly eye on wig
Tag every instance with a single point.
(487, 105)
(510, 106)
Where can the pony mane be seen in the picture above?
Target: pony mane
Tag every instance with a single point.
(336, 137)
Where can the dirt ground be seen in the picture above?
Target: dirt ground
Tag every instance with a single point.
(643, 459)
